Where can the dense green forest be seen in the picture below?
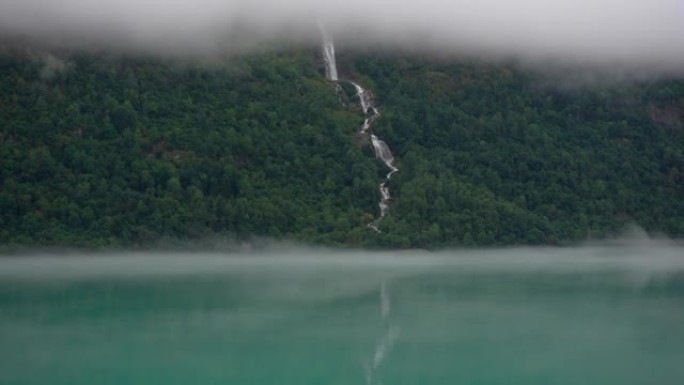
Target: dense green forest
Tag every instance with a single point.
(494, 156)
(110, 150)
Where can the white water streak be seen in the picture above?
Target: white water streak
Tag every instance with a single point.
(329, 55)
(370, 113)
(364, 97)
(385, 301)
(386, 342)
(383, 153)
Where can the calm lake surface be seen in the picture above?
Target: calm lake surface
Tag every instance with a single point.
(592, 315)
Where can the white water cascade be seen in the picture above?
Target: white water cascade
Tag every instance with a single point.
(371, 113)
(329, 55)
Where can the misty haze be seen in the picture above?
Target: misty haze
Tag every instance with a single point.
(598, 314)
(358, 192)
(638, 35)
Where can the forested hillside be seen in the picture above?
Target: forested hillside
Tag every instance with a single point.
(124, 151)
(493, 156)
(105, 150)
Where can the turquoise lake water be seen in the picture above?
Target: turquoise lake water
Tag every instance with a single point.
(601, 315)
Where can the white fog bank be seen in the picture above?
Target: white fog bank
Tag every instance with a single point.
(636, 34)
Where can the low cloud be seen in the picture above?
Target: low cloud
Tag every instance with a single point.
(635, 34)
(643, 258)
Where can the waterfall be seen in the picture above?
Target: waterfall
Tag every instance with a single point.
(364, 98)
(370, 113)
(383, 152)
(329, 55)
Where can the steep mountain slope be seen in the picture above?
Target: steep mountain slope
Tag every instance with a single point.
(120, 151)
(124, 151)
(490, 155)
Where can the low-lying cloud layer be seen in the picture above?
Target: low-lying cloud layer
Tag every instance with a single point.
(643, 260)
(633, 33)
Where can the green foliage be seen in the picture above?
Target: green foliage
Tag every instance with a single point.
(124, 151)
(119, 151)
(489, 156)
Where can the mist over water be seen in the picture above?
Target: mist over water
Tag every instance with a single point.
(599, 314)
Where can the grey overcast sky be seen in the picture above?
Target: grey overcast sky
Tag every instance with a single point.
(647, 34)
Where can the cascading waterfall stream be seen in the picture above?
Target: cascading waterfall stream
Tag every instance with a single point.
(329, 55)
(371, 113)
(382, 152)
